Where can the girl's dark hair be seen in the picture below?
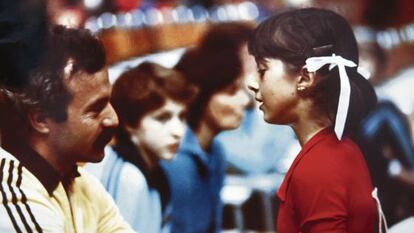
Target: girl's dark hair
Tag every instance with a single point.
(296, 35)
(145, 88)
(214, 64)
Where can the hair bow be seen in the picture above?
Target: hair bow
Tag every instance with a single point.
(315, 63)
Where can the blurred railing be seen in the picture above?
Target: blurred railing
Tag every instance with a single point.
(140, 32)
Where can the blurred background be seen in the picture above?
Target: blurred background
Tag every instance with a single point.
(160, 30)
(136, 28)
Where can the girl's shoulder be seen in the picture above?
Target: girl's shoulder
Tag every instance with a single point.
(332, 148)
(131, 175)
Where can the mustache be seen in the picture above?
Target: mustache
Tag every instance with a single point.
(104, 138)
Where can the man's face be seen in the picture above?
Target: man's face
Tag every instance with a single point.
(90, 123)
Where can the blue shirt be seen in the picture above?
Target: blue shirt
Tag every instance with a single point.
(137, 192)
(195, 179)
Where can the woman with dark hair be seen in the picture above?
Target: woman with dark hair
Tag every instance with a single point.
(196, 174)
(308, 79)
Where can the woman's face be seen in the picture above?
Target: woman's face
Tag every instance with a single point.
(159, 133)
(225, 109)
(275, 91)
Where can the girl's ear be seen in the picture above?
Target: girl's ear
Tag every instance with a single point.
(305, 80)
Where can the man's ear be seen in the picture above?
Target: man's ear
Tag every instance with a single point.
(39, 122)
(305, 80)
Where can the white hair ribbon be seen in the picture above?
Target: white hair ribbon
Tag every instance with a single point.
(315, 63)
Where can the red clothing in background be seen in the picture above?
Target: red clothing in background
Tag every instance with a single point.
(327, 189)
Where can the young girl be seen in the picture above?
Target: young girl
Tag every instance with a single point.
(308, 79)
(150, 101)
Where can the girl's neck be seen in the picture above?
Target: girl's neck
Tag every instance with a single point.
(205, 134)
(306, 127)
(149, 160)
(309, 121)
(305, 133)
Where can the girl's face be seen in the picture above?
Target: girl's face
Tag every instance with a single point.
(160, 131)
(275, 90)
(225, 109)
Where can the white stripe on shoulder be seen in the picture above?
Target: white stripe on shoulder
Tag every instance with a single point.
(5, 154)
(6, 196)
(12, 197)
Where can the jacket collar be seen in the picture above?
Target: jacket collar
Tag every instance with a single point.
(190, 145)
(205, 161)
(42, 169)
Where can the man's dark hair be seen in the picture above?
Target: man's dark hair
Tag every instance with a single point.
(214, 64)
(45, 88)
(23, 30)
(293, 36)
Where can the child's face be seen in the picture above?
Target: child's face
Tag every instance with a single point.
(275, 91)
(159, 133)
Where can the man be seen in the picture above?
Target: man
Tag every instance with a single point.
(60, 117)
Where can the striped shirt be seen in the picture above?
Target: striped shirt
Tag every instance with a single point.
(34, 199)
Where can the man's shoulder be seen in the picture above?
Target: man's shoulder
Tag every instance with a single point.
(9, 166)
(25, 202)
(6, 155)
(12, 172)
(87, 186)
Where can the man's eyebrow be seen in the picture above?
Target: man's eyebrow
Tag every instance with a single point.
(99, 102)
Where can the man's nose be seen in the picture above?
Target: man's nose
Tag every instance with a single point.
(110, 118)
